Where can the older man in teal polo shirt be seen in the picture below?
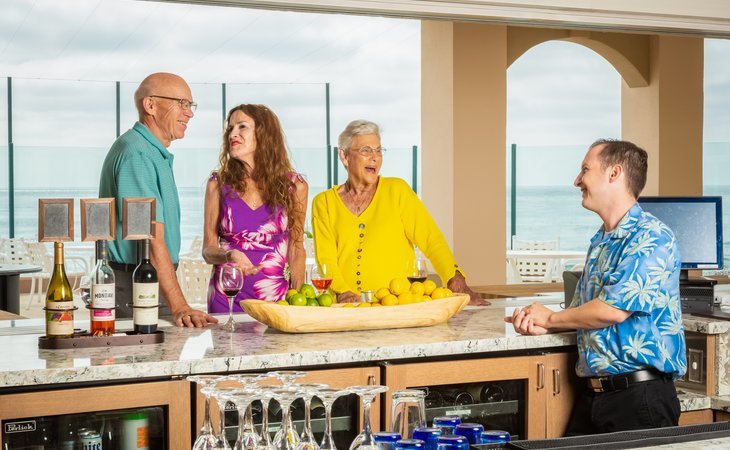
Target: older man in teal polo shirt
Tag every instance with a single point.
(139, 165)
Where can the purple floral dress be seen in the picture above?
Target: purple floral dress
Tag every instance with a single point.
(262, 234)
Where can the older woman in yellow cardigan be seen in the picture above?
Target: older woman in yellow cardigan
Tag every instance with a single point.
(365, 229)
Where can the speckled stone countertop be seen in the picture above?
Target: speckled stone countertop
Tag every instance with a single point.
(254, 347)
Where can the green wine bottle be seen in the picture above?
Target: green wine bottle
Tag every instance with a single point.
(59, 300)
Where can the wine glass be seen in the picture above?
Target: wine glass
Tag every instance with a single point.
(286, 438)
(320, 277)
(221, 396)
(367, 393)
(287, 377)
(206, 438)
(416, 268)
(265, 396)
(230, 281)
(247, 432)
(306, 439)
(328, 397)
(242, 398)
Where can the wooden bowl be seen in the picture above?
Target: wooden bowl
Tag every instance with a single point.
(311, 319)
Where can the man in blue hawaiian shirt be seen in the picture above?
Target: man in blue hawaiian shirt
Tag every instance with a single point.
(626, 307)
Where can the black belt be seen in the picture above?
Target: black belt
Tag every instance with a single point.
(128, 267)
(622, 381)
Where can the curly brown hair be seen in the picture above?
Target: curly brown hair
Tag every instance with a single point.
(272, 171)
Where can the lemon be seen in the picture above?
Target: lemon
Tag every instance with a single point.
(381, 293)
(390, 300)
(417, 288)
(405, 298)
(376, 304)
(349, 305)
(399, 285)
(439, 293)
(449, 292)
(427, 298)
(428, 287)
(365, 305)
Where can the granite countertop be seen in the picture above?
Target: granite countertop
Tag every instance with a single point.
(254, 347)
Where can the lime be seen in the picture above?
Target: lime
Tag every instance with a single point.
(325, 299)
(312, 302)
(308, 291)
(282, 302)
(289, 293)
(297, 300)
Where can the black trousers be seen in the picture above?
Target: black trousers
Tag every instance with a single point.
(649, 404)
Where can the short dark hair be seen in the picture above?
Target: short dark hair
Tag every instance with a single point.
(633, 158)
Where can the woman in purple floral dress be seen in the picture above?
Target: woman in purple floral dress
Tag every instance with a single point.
(254, 210)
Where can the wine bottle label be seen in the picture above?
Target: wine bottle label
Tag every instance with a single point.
(145, 294)
(59, 318)
(102, 296)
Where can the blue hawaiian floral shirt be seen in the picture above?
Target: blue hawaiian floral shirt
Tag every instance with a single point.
(635, 268)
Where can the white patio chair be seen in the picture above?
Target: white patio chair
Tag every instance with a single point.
(533, 270)
(193, 274)
(196, 249)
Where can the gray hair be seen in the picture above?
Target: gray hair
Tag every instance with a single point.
(357, 128)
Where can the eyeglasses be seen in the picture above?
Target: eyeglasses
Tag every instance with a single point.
(184, 103)
(369, 151)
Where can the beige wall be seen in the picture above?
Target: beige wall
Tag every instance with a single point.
(464, 68)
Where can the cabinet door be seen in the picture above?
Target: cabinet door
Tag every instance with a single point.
(332, 377)
(529, 369)
(174, 395)
(562, 382)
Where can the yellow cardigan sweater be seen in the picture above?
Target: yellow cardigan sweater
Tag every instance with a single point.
(365, 252)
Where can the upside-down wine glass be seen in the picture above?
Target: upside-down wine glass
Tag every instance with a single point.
(230, 281)
(206, 439)
(221, 395)
(265, 396)
(287, 437)
(367, 393)
(242, 398)
(247, 432)
(287, 377)
(328, 397)
(306, 439)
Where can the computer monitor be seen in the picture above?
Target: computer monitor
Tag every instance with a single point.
(697, 225)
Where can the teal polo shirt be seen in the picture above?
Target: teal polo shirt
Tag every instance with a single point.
(138, 165)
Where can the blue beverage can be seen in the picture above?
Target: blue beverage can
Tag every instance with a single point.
(490, 436)
(453, 443)
(429, 435)
(471, 431)
(447, 424)
(385, 440)
(410, 444)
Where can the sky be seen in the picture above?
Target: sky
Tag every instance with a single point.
(284, 59)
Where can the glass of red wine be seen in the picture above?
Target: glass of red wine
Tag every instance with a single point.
(321, 279)
(417, 269)
(230, 281)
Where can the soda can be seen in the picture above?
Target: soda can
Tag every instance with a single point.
(89, 439)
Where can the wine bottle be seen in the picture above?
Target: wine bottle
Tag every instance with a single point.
(59, 300)
(102, 294)
(145, 291)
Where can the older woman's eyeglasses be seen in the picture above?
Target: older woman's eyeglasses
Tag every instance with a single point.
(184, 103)
(369, 151)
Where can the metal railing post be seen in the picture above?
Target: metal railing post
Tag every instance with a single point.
(414, 185)
(11, 159)
(119, 108)
(327, 138)
(513, 195)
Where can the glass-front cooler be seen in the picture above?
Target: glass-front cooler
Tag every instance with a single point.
(135, 416)
(131, 429)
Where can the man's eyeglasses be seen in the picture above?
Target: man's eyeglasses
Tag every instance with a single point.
(369, 151)
(184, 103)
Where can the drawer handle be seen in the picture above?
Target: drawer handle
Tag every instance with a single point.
(540, 376)
(556, 381)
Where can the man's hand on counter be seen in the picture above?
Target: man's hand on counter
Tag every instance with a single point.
(190, 318)
(526, 320)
